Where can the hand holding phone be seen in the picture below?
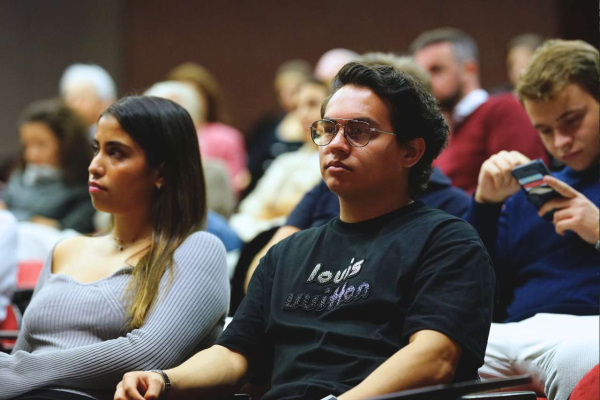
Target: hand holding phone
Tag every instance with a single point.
(530, 177)
(495, 182)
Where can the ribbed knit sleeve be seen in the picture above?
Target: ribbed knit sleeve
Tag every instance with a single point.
(187, 315)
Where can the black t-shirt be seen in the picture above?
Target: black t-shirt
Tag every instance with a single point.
(328, 305)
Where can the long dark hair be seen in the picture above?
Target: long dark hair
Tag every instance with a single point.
(166, 134)
(75, 151)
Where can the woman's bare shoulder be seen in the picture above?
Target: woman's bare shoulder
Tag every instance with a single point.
(73, 248)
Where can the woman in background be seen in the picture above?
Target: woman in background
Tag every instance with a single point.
(49, 186)
(217, 139)
(147, 295)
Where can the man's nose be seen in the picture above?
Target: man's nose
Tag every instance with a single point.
(339, 142)
(562, 139)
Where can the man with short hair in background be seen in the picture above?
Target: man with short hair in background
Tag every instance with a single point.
(480, 125)
(547, 269)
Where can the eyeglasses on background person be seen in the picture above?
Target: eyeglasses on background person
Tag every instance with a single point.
(357, 133)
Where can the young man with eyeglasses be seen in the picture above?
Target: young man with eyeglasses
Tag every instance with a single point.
(391, 295)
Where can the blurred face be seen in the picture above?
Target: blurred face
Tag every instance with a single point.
(310, 99)
(120, 181)
(445, 73)
(40, 144)
(82, 98)
(287, 85)
(568, 125)
(375, 169)
(517, 59)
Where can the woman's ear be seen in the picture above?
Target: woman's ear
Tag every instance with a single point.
(414, 150)
(160, 179)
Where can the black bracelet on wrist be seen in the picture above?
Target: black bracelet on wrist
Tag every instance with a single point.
(165, 378)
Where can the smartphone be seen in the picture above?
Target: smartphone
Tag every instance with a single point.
(530, 178)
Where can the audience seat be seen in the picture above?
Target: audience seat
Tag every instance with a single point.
(28, 273)
(9, 329)
(588, 387)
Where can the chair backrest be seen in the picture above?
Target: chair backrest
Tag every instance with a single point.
(9, 328)
(522, 395)
(28, 273)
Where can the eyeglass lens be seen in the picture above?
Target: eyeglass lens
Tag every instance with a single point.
(357, 132)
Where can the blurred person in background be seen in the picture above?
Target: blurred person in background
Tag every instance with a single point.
(218, 139)
(219, 194)
(8, 260)
(275, 135)
(520, 50)
(109, 303)
(49, 186)
(288, 177)
(331, 62)
(480, 125)
(89, 90)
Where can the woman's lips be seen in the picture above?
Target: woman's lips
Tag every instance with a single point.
(93, 187)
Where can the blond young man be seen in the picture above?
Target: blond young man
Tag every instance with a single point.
(547, 269)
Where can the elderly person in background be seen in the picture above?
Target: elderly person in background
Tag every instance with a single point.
(89, 90)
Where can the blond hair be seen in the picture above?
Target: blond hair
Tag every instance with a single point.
(556, 64)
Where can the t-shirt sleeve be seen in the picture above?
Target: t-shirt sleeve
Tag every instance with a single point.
(186, 315)
(301, 215)
(453, 289)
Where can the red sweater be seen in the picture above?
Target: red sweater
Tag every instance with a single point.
(498, 124)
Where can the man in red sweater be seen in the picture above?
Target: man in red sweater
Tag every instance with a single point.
(480, 125)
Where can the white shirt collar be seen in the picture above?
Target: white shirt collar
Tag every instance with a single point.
(468, 104)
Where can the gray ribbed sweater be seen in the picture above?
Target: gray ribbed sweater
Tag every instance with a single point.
(73, 337)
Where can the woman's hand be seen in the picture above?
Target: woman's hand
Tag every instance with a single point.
(140, 386)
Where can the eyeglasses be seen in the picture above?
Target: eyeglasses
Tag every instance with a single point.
(357, 133)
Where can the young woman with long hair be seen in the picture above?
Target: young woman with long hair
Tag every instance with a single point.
(147, 295)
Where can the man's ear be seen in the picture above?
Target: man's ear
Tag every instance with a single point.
(471, 67)
(414, 150)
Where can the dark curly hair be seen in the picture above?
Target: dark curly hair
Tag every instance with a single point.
(75, 150)
(413, 112)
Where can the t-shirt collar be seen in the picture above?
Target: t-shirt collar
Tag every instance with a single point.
(468, 104)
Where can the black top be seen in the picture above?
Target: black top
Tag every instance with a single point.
(328, 305)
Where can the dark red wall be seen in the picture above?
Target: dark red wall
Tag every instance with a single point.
(243, 42)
